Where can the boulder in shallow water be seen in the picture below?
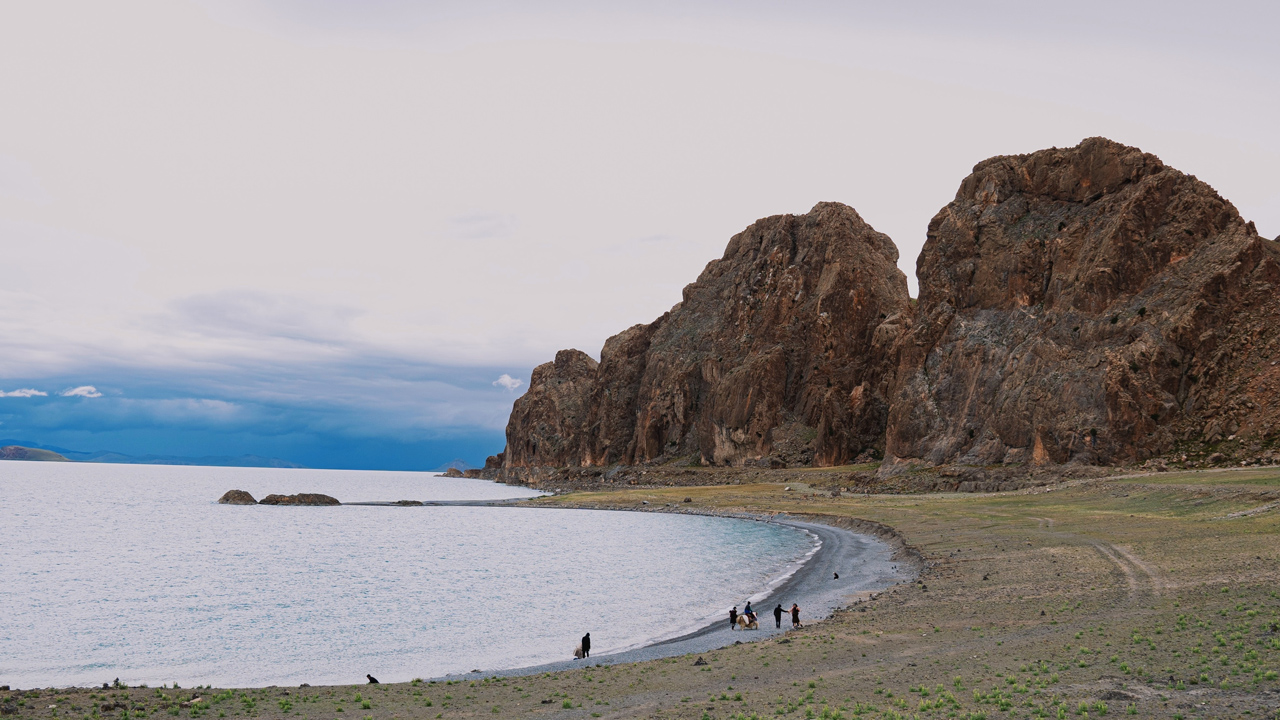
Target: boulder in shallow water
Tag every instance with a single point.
(299, 499)
(237, 497)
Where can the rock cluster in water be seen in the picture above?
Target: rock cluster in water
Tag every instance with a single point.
(240, 497)
(237, 497)
(1087, 305)
(299, 499)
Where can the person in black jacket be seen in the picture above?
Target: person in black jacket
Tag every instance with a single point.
(733, 617)
(777, 616)
(586, 645)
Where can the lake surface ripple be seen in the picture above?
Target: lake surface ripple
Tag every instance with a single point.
(136, 572)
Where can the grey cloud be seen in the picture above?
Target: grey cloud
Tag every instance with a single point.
(251, 313)
(483, 226)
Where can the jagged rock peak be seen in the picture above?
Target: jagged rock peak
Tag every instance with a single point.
(1072, 307)
(777, 348)
(1086, 304)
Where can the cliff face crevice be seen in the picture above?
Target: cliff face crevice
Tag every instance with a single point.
(1086, 305)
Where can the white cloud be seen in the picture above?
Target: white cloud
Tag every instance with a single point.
(31, 392)
(88, 391)
(507, 382)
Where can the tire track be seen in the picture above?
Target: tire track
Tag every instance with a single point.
(1141, 578)
(1138, 575)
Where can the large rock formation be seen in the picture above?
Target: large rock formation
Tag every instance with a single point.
(1088, 304)
(1083, 305)
(778, 347)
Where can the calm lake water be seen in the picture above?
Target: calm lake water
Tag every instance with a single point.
(136, 572)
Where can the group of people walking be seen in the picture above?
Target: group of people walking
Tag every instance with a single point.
(583, 650)
(750, 615)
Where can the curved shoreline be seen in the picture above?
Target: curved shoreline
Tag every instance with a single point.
(870, 558)
(873, 559)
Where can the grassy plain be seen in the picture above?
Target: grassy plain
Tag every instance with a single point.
(1144, 596)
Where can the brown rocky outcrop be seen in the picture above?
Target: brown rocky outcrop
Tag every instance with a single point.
(1089, 304)
(237, 497)
(777, 348)
(299, 499)
(1083, 305)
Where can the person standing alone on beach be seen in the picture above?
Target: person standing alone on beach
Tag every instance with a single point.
(795, 616)
(777, 616)
(733, 617)
(586, 644)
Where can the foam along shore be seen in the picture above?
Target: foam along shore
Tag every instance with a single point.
(866, 565)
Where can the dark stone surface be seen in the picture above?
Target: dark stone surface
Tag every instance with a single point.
(237, 497)
(299, 499)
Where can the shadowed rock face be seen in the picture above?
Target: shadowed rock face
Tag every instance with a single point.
(1084, 305)
(782, 339)
(548, 423)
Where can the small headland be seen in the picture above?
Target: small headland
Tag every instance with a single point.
(18, 452)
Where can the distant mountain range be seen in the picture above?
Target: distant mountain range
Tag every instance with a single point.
(26, 450)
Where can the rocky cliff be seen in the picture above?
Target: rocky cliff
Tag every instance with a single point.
(779, 347)
(1089, 304)
(1085, 305)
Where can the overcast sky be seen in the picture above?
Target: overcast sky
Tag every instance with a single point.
(326, 230)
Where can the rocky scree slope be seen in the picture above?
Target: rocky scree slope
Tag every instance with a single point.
(1087, 305)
